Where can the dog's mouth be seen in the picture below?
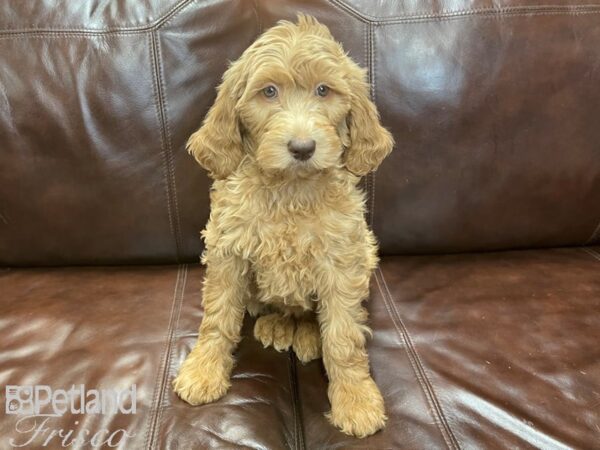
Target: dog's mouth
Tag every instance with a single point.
(303, 169)
(295, 169)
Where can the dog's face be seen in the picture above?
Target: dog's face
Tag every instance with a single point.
(295, 103)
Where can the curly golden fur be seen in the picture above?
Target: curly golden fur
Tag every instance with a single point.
(287, 239)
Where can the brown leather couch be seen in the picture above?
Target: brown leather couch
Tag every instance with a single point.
(486, 307)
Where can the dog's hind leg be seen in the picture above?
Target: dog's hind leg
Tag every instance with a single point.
(307, 338)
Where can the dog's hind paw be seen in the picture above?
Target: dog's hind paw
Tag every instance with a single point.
(307, 340)
(275, 330)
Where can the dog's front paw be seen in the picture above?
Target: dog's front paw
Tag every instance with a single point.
(357, 409)
(307, 340)
(199, 383)
(276, 330)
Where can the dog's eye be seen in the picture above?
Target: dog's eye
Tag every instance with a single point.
(270, 91)
(322, 90)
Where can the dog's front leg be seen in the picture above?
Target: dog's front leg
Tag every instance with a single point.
(204, 375)
(356, 403)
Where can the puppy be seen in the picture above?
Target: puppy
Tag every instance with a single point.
(289, 135)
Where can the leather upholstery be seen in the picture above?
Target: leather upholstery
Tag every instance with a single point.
(113, 327)
(495, 350)
(485, 101)
(482, 115)
(93, 165)
(494, 107)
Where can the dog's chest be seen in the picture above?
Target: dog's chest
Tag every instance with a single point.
(286, 259)
(291, 244)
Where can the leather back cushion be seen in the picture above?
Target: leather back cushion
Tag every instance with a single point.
(494, 107)
(98, 99)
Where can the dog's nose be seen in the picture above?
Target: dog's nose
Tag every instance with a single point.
(302, 149)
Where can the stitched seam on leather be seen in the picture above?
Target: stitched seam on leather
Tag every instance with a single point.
(165, 358)
(369, 176)
(164, 139)
(367, 28)
(295, 397)
(164, 18)
(425, 16)
(373, 72)
(349, 10)
(485, 13)
(169, 356)
(168, 17)
(414, 366)
(595, 235)
(364, 185)
(169, 146)
(593, 253)
(494, 15)
(435, 407)
(257, 15)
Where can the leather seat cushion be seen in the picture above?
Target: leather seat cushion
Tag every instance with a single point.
(109, 328)
(494, 350)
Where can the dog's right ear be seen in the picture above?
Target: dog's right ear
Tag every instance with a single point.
(217, 145)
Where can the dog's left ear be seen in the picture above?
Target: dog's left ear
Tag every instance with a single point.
(370, 143)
